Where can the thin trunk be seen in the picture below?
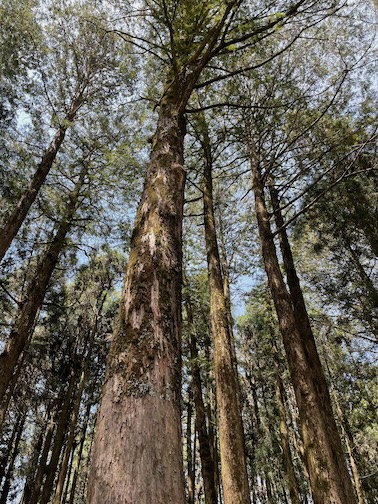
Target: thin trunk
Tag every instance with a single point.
(189, 452)
(9, 393)
(22, 329)
(69, 472)
(58, 442)
(70, 440)
(285, 445)
(348, 438)
(31, 494)
(18, 214)
(329, 478)
(75, 411)
(139, 425)
(7, 453)
(79, 454)
(33, 461)
(231, 436)
(207, 461)
(15, 450)
(291, 479)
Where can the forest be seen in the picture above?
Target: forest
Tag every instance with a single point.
(188, 251)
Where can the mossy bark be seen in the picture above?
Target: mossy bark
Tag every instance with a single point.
(137, 454)
(231, 435)
(329, 478)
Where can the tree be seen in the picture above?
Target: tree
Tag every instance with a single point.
(142, 388)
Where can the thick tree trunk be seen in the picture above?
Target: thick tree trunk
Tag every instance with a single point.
(24, 324)
(137, 454)
(329, 478)
(18, 214)
(231, 436)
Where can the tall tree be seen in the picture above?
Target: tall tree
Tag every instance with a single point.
(329, 477)
(142, 389)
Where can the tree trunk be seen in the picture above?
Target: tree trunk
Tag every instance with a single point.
(329, 478)
(23, 326)
(231, 436)
(205, 449)
(33, 460)
(75, 410)
(80, 453)
(70, 439)
(9, 473)
(18, 214)
(31, 494)
(138, 432)
(58, 441)
(285, 445)
(189, 451)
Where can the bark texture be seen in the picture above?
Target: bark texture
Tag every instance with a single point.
(231, 435)
(329, 478)
(24, 325)
(20, 211)
(137, 455)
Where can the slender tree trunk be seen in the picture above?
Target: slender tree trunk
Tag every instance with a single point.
(37, 447)
(10, 391)
(15, 450)
(80, 453)
(75, 410)
(18, 214)
(286, 451)
(70, 439)
(69, 472)
(189, 451)
(138, 430)
(6, 453)
(205, 449)
(329, 478)
(348, 438)
(207, 462)
(231, 436)
(22, 329)
(58, 441)
(31, 494)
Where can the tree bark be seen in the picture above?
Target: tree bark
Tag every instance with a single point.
(18, 214)
(231, 435)
(329, 478)
(24, 324)
(138, 430)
